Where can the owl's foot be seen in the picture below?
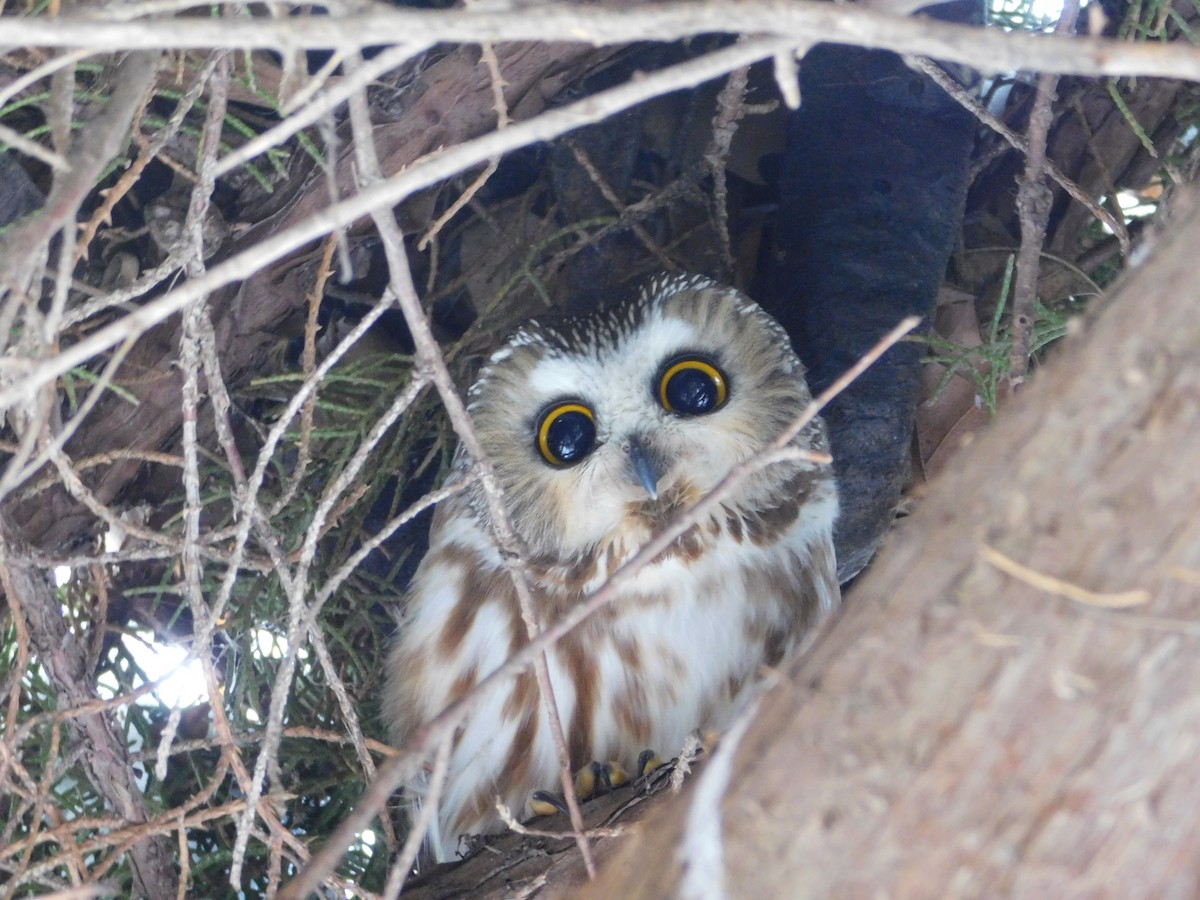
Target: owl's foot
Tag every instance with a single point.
(647, 762)
(598, 778)
(545, 803)
(594, 780)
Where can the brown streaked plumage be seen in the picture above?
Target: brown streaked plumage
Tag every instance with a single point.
(601, 430)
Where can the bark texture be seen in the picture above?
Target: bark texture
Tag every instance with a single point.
(871, 201)
(961, 732)
(98, 736)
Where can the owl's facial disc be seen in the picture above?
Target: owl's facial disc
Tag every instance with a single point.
(643, 468)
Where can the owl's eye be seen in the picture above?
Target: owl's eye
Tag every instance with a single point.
(566, 433)
(692, 386)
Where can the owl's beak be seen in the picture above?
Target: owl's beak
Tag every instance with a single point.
(643, 468)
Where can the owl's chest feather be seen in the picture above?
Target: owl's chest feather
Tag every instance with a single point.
(676, 649)
(683, 637)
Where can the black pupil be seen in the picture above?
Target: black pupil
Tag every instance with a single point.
(692, 391)
(570, 436)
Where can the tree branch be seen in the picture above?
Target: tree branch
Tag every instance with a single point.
(601, 25)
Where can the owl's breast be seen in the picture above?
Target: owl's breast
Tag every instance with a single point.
(679, 647)
(683, 642)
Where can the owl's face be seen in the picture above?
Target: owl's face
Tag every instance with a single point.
(601, 428)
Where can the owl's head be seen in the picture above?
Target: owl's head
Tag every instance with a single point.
(601, 427)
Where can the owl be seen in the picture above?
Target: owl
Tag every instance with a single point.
(601, 429)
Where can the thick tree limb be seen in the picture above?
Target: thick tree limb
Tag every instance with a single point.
(961, 731)
(620, 24)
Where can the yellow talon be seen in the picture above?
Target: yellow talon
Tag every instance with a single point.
(599, 778)
(614, 775)
(544, 803)
(593, 780)
(647, 762)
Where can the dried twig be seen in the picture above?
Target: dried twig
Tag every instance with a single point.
(420, 825)
(1033, 209)
(1019, 142)
(606, 191)
(30, 147)
(1052, 585)
(731, 107)
(502, 121)
(510, 822)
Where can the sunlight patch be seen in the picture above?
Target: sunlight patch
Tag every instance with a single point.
(269, 645)
(184, 685)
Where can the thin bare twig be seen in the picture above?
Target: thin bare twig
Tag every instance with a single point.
(1052, 585)
(731, 107)
(189, 352)
(32, 148)
(512, 824)
(336, 580)
(502, 121)
(308, 362)
(1019, 142)
(1033, 209)
(430, 357)
(420, 826)
(610, 195)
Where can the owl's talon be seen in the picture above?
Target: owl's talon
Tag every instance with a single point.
(598, 778)
(647, 762)
(593, 780)
(544, 803)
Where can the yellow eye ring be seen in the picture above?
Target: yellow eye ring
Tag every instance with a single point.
(566, 432)
(692, 386)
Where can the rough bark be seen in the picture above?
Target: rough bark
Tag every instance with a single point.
(960, 732)
(871, 201)
(102, 746)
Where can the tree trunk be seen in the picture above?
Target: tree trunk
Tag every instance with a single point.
(96, 736)
(960, 730)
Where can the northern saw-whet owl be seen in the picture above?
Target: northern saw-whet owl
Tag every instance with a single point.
(601, 429)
